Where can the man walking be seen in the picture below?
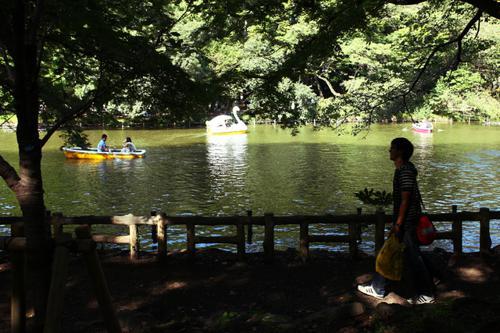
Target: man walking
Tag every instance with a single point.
(406, 213)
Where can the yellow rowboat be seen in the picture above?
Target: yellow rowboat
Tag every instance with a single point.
(93, 154)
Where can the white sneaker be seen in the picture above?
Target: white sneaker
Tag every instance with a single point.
(421, 299)
(370, 291)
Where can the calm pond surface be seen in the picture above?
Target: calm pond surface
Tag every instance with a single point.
(268, 170)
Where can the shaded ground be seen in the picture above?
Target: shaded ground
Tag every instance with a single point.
(216, 293)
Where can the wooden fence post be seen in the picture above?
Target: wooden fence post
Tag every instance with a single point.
(154, 230)
(57, 285)
(249, 227)
(353, 239)
(18, 296)
(57, 226)
(268, 237)
(99, 283)
(161, 226)
(240, 233)
(304, 241)
(134, 242)
(191, 233)
(456, 228)
(484, 230)
(48, 222)
(359, 211)
(379, 231)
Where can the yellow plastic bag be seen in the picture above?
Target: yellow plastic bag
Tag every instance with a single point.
(389, 261)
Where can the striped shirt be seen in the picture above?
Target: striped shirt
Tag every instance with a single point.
(405, 180)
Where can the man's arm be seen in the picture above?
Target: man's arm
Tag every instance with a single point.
(403, 208)
(407, 185)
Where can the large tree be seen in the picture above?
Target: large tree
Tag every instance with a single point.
(62, 59)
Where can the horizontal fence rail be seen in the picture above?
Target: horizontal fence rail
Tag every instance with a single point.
(85, 242)
(159, 224)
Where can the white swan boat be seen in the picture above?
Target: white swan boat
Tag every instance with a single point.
(226, 124)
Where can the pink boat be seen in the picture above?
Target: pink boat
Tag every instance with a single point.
(423, 127)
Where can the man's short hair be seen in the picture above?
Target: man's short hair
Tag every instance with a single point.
(404, 146)
(104, 136)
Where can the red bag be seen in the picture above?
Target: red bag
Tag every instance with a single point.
(426, 232)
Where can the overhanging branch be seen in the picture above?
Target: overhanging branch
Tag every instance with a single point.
(491, 7)
(74, 113)
(330, 86)
(406, 2)
(80, 110)
(9, 174)
(437, 48)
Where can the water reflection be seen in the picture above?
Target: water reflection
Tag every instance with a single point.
(227, 164)
(268, 170)
(104, 186)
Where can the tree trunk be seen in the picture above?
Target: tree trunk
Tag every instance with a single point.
(38, 251)
(29, 191)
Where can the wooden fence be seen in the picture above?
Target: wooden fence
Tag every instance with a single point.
(84, 243)
(160, 224)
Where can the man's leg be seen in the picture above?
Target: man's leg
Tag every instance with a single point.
(376, 288)
(379, 283)
(416, 265)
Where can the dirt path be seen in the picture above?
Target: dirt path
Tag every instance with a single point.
(216, 293)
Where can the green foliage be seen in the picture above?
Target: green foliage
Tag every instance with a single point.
(331, 62)
(73, 136)
(460, 95)
(375, 198)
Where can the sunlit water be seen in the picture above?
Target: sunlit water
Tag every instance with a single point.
(268, 170)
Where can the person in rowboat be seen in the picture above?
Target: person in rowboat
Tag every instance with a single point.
(128, 146)
(101, 146)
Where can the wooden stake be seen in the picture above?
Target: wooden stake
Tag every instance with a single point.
(484, 230)
(353, 241)
(240, 234)
(304, 241)
(359, 211)
(269, 237)
(100, 285)
(57, 285)
(191, 233)
(249, 227)
(162, 235)
(379, 231)
(456, 228)
(154, 230)
(134, 242)
(57, 226)
(18, 296)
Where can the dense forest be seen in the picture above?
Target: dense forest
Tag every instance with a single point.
(178, 63)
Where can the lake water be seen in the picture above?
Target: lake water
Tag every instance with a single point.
(268, 170)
